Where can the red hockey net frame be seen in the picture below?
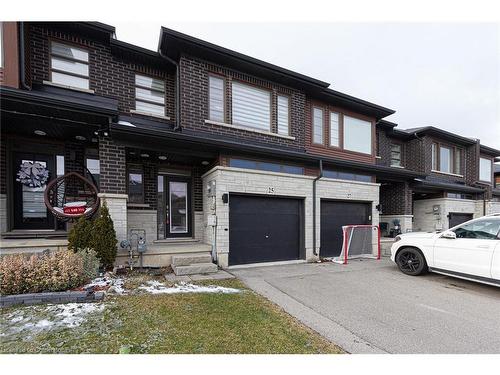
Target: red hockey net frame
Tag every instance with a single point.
(344, 256)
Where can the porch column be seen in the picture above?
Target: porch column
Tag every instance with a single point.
(113, 183)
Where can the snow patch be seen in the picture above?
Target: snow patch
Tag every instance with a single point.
(115, 284)
(156, 287)
(35, 319)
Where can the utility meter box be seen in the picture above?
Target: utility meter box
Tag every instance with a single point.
(212, 220)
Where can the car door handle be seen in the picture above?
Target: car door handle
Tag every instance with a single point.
(483, 246)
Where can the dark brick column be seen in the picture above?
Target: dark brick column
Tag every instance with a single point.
(113, 167)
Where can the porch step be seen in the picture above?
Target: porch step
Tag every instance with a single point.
(195, 268)
(186, 260)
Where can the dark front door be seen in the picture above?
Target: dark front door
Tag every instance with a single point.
(30, 211)
(334, 215)
(456, 218)
(264, 229)
(176, 201)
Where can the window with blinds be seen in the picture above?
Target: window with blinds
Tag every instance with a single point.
(251, 106)
(283, 115)
(216, 98)
(317, 125)
(69, 65)
(149, 95)
(334, 129)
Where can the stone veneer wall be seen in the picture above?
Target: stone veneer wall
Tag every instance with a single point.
(143, 219)
(233, 180)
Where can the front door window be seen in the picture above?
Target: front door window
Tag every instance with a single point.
(30, 211)
(174, 206)
(178, 207)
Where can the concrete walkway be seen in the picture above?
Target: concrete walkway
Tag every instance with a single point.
(369, 306)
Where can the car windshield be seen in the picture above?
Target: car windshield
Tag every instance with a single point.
(481, 229)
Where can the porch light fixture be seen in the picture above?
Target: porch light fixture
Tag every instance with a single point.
(204, 162)
(162, 157)
(40, 132)
(145, 155)
(80, 138)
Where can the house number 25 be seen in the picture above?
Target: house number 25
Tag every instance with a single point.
(270, 190)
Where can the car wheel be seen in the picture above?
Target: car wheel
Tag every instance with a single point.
(411, 261)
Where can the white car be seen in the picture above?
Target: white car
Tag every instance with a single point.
(469, 251)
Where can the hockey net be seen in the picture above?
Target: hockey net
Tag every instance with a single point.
(359, 241)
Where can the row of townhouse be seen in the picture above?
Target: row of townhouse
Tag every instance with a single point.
(208, 149)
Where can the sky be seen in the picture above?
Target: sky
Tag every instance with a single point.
(441, 74)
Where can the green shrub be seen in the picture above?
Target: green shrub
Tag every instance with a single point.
(90, 263)
(104, 238)
(80, 235)
(46, 272)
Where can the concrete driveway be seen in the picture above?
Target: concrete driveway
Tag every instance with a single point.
(368, 306)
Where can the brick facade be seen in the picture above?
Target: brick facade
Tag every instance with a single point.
(194, 75)
(396, 198)
(110, 76)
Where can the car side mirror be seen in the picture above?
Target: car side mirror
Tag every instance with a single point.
(449, 234)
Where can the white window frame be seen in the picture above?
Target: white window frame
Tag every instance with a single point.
(265, 125)
(318, 138)
(346, 134)
(490, 167)
(150, 102)
(283, 114)
(400, 161)
(337, 130)
(62, 72)
(211, 117)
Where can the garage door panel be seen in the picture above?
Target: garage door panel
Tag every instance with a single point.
(334, 215)
(263, 229)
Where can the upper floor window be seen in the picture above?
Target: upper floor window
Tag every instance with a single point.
(69, 65)
(485, 169)
(334, 129)
(446, 159)
(317, 125)
(357, 135)
(216, 98)
(149, 95)
(283, 114)
(395, 155)
(251, 106)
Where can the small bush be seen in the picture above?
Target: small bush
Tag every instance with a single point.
(80, 235)
(47, 272)
(90, 263)
(104, 238)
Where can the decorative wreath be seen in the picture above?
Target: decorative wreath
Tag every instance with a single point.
(71, 196)
(32, 174)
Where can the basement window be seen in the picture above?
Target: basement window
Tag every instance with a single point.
(69, 65)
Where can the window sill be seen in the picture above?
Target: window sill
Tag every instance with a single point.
(48, 83)
(447, 174)
(149, 114)
(398, 166)
(239, 127)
